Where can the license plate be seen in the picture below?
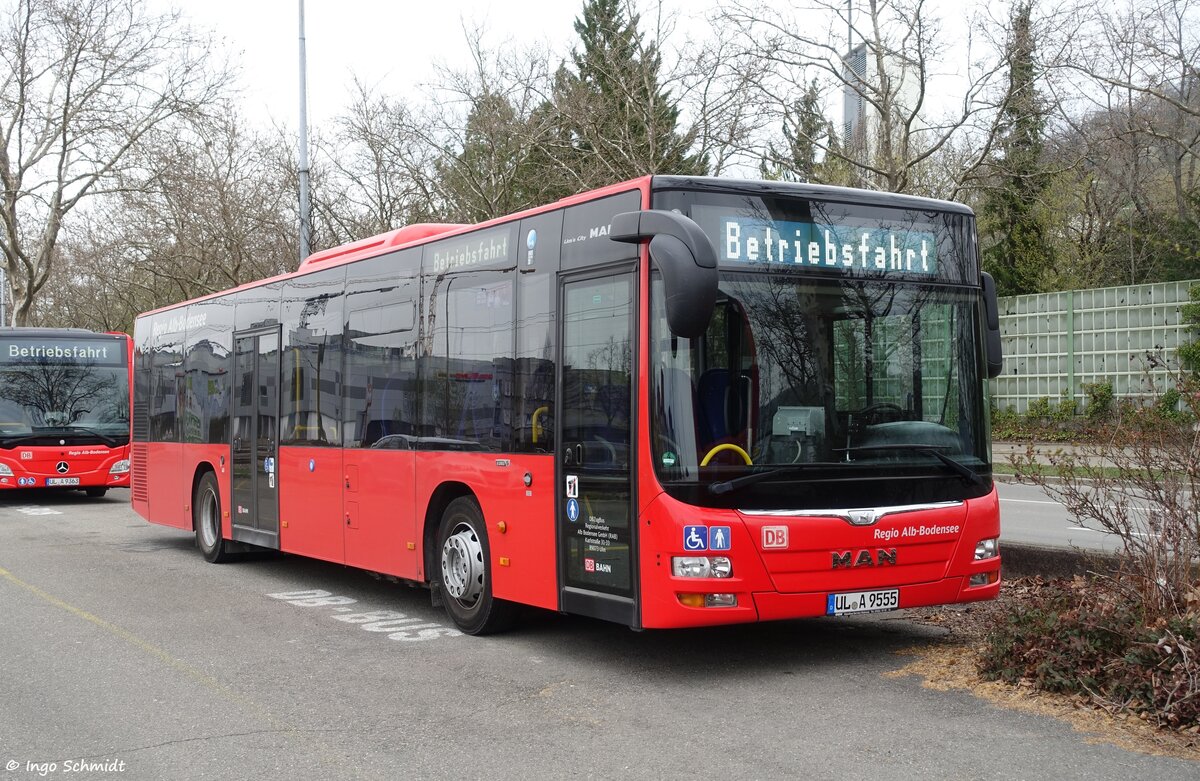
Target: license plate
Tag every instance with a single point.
(863, 602)
(62, 481)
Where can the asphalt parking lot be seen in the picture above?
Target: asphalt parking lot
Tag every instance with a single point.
(126, 655)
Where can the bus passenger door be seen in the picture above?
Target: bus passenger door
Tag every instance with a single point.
(255, 432)
(596, 535)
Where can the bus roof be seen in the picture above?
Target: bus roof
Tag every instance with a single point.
(408, 236)
(822, 192)
(45, 332)
(417, 234)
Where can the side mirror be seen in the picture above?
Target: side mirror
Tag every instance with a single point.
(686, 259)
(991, 308)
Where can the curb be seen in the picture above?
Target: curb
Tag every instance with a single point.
(1019, 560)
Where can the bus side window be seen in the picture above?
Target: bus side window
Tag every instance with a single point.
(466, 379)
(539, 246)
(534, 366)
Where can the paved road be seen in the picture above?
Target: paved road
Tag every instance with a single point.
(121, 645)
(1028, 515)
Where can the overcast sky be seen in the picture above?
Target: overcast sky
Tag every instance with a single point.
(393, 45)
(389, 44)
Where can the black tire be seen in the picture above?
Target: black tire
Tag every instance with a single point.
(206, 519)
(462, 573)
(95, 493)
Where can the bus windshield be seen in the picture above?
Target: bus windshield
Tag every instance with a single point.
(838, 386)
(57, 388)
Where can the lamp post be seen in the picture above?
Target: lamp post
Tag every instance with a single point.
(305, 221)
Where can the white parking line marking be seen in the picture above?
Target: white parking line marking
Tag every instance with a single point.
(33, 509)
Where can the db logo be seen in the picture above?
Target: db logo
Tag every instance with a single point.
(589, 565)
(775, 537)
(26, 455)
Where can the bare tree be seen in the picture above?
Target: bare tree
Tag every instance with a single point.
(716, 80)
(884, 57)
(82, 84)
(202, 206)
(377, 164)
(1127, 84)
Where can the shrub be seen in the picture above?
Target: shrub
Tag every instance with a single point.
(1099, 400)
(1039, 409)
(1093, 638)
(1066, 410)
(1167, 406)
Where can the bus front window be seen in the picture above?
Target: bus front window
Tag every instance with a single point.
(811, 383)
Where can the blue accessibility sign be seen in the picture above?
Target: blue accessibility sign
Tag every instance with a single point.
(573, 510)
(695, 538)
(718, 538)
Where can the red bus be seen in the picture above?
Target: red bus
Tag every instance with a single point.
(670, 402)
(64, 409)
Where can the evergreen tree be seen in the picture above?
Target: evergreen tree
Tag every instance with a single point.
(1013, 220)
(803, 127)
(615, 121)
(490, 176)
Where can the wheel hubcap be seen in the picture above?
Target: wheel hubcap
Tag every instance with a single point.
(462, 565)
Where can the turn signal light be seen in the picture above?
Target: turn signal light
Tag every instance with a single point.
(984, 578)
(707, 600)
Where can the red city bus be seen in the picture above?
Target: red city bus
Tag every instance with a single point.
(670, 402)
(64, 409)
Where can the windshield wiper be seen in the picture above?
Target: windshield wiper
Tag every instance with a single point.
(725, 486)
(9, 440)
(962, 470)
(105, 438)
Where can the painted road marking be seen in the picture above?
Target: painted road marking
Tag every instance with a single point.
(33, 509)
(397, 625)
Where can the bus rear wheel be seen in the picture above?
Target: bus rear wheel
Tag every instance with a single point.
(462, 572)
(206, 518)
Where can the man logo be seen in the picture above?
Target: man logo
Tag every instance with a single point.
(862, 517)
(62, 467)
(863, 558)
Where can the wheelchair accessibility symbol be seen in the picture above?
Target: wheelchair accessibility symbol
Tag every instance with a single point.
(695, 538)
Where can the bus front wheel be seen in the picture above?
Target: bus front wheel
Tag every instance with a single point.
(463, 574)
(206, 518)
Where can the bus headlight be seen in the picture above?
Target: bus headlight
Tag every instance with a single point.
(701, 566)
(120, 468)
(5, 470)
(987, 549)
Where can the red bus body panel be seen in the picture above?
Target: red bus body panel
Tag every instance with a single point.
(89, 463)
(930, 568)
